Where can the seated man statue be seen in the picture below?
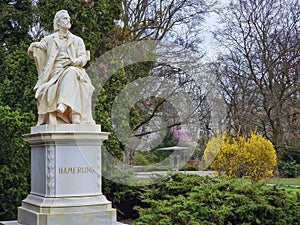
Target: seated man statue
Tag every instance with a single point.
(63, 90)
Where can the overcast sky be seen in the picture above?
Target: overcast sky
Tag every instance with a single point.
(210, 24)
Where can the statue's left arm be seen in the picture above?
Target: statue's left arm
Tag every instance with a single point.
(81, 57)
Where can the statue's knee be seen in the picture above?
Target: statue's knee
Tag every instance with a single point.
(71, 70)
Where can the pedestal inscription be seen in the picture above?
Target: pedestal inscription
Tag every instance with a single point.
(66, 177)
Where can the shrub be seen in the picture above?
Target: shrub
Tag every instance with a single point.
(189, 168)
(253, 157)
(289, 169)
(140, 159)
(14, 161)
(191, 199)
(123, 197)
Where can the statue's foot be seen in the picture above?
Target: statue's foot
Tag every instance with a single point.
(61, 108)
(52, 118)
(76, 118)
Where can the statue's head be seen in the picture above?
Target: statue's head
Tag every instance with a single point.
(58, 19)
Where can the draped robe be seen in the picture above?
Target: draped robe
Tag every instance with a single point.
(61, 82)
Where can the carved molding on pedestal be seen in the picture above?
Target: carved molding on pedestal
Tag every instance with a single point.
(51, 170)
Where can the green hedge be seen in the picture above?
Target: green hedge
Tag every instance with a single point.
(190, 199)
(289, 169)
(14, 160)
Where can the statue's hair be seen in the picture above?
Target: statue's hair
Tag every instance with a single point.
(56, 19)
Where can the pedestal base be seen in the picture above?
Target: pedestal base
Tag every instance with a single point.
(66, 177)
(15, 222)
(37, 210)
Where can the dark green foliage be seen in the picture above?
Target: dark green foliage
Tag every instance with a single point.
(14, 161)
(156, 156)
(291, 152)
(189, 168)
(178, 184)
(123, 197)
(15, 18)
(190, 199)
(18, 77)
(141, 159)
(289, 169)
(159, 156)
(104, 103)
(150, 157)
(17, 72)
(141, 69)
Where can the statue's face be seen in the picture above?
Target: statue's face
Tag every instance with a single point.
(64, 21)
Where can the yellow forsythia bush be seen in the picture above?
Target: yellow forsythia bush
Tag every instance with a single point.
(211, 150)
(253, 157)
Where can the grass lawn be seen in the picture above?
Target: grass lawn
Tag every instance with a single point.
(285, 181)
(293, 190)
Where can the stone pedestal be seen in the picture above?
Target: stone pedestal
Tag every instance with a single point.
(66, 177)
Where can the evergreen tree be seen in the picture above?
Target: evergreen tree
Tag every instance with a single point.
(14, 160)
(15, 18)
(17, 72)
(18, 77)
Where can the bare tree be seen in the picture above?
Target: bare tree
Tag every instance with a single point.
(155, 19)
(259, 71)
(159, 20)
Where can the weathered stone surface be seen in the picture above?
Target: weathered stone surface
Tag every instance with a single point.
(66, 177)
(64, 89)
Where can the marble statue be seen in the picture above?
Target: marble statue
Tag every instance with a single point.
(64, 90)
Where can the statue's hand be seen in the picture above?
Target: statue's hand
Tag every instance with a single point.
(37, 45)
(77, 62)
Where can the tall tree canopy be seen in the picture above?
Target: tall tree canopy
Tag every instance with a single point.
(16, 70)
(15, 17)
(259, 68)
